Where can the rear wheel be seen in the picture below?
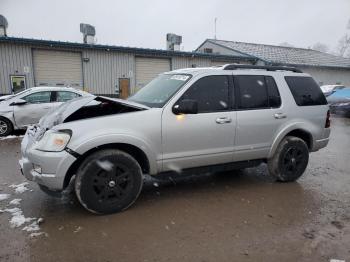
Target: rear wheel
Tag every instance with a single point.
(108, 181)
(6, 127)
(290, 159)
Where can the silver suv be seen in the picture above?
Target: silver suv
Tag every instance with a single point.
(228, 117)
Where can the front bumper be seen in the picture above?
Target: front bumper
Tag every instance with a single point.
(54, 165)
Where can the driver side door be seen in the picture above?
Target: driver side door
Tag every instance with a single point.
(205, 138)
(38, 104)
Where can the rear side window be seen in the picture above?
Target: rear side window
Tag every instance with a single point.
(211, 93)
(306, 91)
(252, 92)
(64, 96)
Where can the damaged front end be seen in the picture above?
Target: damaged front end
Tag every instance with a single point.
(88, 107)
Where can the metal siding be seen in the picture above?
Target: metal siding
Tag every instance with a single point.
(13, 59)
(52, 67)
(148, 68)
(103, 70)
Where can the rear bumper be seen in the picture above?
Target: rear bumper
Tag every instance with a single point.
(318, 144)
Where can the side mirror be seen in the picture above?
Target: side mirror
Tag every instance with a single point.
(186, 106)
(18, 102)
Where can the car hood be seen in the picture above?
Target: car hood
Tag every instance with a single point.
(3, 98)
(88, 107)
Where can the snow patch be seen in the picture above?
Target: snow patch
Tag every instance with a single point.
(36, 234)
(20, 188)
(18, 219)
(4, 196)
(10, 137)
(15, 201)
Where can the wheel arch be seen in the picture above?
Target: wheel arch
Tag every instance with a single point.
(295, 131)
(137, 153)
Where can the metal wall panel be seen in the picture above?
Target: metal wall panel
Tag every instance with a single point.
(57, 68)
(102, 70)
(147, 68)
(187, 62)
(15, 60)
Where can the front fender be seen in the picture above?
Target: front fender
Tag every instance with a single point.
(106, 139)
(304, 126)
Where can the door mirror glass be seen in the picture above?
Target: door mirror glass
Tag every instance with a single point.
(19, 102)
(186, 106)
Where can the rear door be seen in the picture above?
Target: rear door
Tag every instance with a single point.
(259, 115)
(202, 139)
(38, 104)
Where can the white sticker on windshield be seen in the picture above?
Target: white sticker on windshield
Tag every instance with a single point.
(179, 77)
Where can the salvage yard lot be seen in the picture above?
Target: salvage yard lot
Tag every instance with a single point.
(232, 216)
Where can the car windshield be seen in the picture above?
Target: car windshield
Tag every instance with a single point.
(160, 90)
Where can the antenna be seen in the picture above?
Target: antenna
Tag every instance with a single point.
(215, 27)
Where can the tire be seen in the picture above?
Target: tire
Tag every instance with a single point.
(290, 159)
(108, 181)
(6, 127)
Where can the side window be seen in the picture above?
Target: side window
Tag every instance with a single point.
(211, 93)
(273, 93)
(305, 91)
(252, 92)
(64, 96)
(38, 98)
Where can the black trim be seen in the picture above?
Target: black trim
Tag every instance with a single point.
(73, 153)
(212, 168)
(267, 68)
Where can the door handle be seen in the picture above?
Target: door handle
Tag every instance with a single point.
(223, 120)
(280, 115)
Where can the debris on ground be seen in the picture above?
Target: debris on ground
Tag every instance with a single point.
(337, 224)
(78, 229)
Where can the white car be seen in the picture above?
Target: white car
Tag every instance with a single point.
(330, 89)
(27, 107)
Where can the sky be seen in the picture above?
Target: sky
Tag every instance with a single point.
(145, 23)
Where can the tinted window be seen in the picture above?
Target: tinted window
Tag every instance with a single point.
(272, 90)
(305, 91)
(210, 92)
(39, 97)
(252, 92)
(64, 96)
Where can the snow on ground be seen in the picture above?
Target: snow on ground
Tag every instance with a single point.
(17, 219)
(15, 201)
(4, 196)
(20, 188)
(10, 137)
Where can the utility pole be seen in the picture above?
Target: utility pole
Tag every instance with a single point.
(215, 27)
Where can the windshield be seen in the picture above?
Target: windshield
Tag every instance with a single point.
(160, 90)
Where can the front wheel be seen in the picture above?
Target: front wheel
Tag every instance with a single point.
(290, 159)
(6, 127)
(108, 181)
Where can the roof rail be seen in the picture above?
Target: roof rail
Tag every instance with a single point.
(268, 68)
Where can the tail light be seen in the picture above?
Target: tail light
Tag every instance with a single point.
(328, 119)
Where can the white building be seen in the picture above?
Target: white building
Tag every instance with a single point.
(325, 68)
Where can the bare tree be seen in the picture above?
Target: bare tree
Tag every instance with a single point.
(320, 47)
(344, 43)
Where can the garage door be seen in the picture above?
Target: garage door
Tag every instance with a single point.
(57, 68)
(149, 68)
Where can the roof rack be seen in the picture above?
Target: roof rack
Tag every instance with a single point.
(268, 68)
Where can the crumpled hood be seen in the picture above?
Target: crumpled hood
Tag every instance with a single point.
(88, 107)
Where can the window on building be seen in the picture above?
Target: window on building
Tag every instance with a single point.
(64, 96)
(208, 50)
(211, 93)
(305, 91)
(38, 98)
